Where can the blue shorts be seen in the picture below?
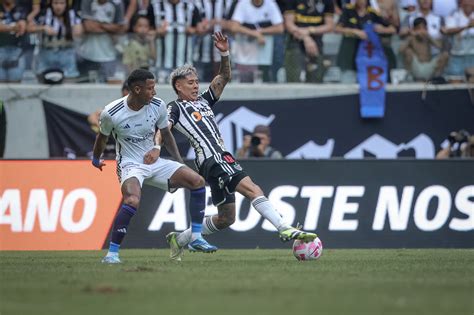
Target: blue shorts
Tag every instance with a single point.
(457, 65)
(12, 64)
(64, 59)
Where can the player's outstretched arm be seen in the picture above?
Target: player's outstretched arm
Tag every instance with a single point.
(223, 77)
(170, 144)
(99, 147)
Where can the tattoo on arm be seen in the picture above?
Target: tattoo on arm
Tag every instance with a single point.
(222, 78)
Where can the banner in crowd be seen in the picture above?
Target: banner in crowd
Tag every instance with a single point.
(371, 74)
(314, 128)
(56, 205)
(350, 204)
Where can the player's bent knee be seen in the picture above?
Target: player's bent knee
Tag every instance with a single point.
(197, 182)
(132, 200)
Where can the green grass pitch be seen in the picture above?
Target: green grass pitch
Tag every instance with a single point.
(399, 281)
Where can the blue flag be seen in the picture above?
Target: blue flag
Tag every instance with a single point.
(371, 74)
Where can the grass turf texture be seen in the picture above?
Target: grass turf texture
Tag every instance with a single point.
(433, 281)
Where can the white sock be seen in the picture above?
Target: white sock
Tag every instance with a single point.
(208, 227)
(195, 235)
(184, 237)
(266, 210)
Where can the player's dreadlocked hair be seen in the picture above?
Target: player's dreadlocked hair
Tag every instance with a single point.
(181, 73)
(139, 76)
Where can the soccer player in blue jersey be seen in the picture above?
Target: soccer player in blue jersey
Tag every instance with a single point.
(192, 115)
(133, 121)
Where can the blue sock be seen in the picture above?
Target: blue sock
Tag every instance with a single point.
(114, 248)
(197, 205)
(122, 220)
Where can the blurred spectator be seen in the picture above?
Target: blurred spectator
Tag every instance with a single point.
(102, 19)
(214, 14)
(37, 6)
(12, 29)
(57, 26)
(444, 8)
(258, 145)
(460, 25)
(130, 9)
(354, 16)
(435, 22)
(140, 51)
(175, 22)
(339, 5)
(254, 22)
(388, 9)
(458, 144)
(306, 22)
(417, 56)
(278, 50)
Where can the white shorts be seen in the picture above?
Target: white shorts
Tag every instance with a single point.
(156, 174)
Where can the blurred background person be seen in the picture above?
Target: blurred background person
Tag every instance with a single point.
(12, 31)
(140, 50)
(57, 27)
(214, 18)
(102, 20)
(458, 144)
(444, 8)
(176, 21)
(460, 28)
(416, 52)
(389, 11)
(434, 22)
(253, 23)
(306, 22)
(350, 25)
(258, 145)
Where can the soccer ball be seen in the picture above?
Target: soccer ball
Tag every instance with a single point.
(308, 251)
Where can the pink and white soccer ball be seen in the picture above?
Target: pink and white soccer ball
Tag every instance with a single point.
(308, 251)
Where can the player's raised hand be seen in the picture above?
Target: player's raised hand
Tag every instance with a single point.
(98, 163)
(220, 41)
(151, 156)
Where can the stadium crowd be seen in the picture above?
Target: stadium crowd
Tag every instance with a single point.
(273, 41)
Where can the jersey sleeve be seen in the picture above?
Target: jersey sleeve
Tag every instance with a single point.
(105, 123)
(344, 19)
(173, 113)
(329, 7)
(86, 10)
(209, 96)
(162, 121)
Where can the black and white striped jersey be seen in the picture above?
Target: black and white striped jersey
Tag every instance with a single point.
(196, 121)
(204, 50)
(175, 48)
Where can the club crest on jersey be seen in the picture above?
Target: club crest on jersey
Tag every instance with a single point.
(196, 116)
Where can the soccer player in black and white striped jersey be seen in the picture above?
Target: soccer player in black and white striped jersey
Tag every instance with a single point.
(192, 115)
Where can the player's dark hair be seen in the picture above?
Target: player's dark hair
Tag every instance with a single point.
(139, 76)
(181, 73)
(419, 21)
